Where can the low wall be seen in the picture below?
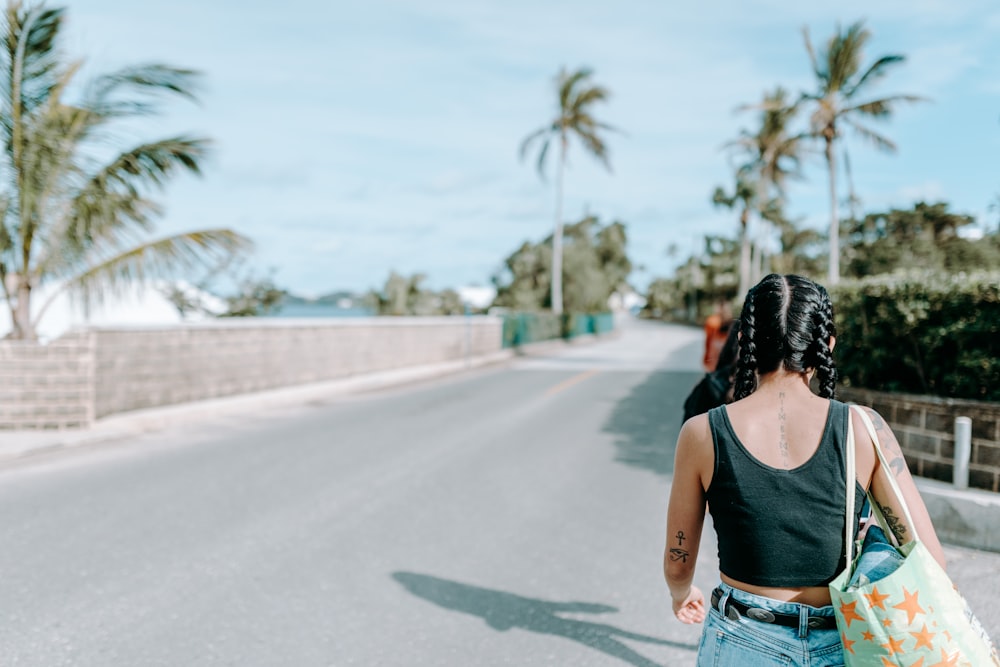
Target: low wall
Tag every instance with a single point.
(925, 428)
(47, 386)
(103, 371)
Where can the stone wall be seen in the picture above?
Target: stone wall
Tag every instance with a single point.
(925, 428)
(47, 386)
(104, 371)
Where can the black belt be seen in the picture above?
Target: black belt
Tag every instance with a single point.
(767, 616)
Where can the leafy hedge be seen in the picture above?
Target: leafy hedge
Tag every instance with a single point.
(921, 333)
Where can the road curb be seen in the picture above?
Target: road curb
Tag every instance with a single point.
(965, 518)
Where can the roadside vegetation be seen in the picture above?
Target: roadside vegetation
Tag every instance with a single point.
(77, 202)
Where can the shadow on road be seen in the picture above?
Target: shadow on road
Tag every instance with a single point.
(647, 421)
(504, 611)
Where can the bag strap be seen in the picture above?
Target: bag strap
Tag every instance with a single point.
(851, 484)
(888, 473)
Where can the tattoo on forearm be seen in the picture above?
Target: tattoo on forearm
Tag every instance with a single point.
(679, 555)
(894, 522)
(897, 464)
(680, 537)
(783, 440)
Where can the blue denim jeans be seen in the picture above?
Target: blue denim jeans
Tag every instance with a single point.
(738, 641)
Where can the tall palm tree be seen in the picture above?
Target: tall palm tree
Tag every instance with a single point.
(841, 99)
(744, 198)
(66, 215)
(772, 155)
(768, 158)
(576, 98)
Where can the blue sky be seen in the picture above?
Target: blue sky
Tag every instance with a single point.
(354, 138)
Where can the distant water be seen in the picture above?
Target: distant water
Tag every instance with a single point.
(320, 310)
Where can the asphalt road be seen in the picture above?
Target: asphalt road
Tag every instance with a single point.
(508, 516)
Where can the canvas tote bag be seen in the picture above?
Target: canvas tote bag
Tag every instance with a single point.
(913, 617)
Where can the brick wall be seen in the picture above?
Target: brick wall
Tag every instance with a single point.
(47, 386)
(103, 371)
(925, 428)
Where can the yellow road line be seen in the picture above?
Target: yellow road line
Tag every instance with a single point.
(566, 384)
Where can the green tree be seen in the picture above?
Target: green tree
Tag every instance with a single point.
(254, 297)
(841, 99)
(65, 215)
(597, 265)
(698, 284)
(576, 98)
(402, 296)
(926, 237)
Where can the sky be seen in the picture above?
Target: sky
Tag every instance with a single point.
(356, 138)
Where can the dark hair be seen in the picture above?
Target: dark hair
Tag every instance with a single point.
(787, 321)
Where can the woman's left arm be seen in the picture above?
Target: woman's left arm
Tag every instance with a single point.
(685, 519)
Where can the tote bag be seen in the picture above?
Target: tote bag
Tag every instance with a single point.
(912, 617)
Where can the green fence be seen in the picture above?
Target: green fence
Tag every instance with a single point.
(524, 328)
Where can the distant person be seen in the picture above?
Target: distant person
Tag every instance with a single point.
(716, 387)
(770, 469)
(717, 327)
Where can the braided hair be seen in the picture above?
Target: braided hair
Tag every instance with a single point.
(787, 322)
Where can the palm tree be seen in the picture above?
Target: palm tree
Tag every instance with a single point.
(66, 215)
(743, 197)
(840, 99)
(576, 97)
(769, 156)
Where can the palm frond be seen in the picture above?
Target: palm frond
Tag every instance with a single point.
(813, 61)
(161, 258)
(883, 107)
(542, 155)
(29, 43)
(595, 145)
(531, 139)
(567, 83)
(879, 141)
(131, 90)
(843, 55)
(111, 201)
(873, 73)
(588, 96)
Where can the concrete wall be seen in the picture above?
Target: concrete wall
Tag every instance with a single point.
(925, 428)
(103, 371)
(47, 386)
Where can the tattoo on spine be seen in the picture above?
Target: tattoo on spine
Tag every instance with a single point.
(679, 555)
(783, 441)
(680, 537)
(894, 522)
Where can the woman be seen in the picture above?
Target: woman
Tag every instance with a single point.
(770, 468)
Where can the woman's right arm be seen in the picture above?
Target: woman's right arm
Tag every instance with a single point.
(886, 498)
(685, 519)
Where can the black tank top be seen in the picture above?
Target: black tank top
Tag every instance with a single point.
(780, 528)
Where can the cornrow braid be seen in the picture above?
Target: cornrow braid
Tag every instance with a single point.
(824, 329)
(746, 367)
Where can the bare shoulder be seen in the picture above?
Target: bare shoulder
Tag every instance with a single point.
(695, 450)
(695, 431)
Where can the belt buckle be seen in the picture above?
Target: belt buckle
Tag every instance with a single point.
(816, 622)
(762, 615)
